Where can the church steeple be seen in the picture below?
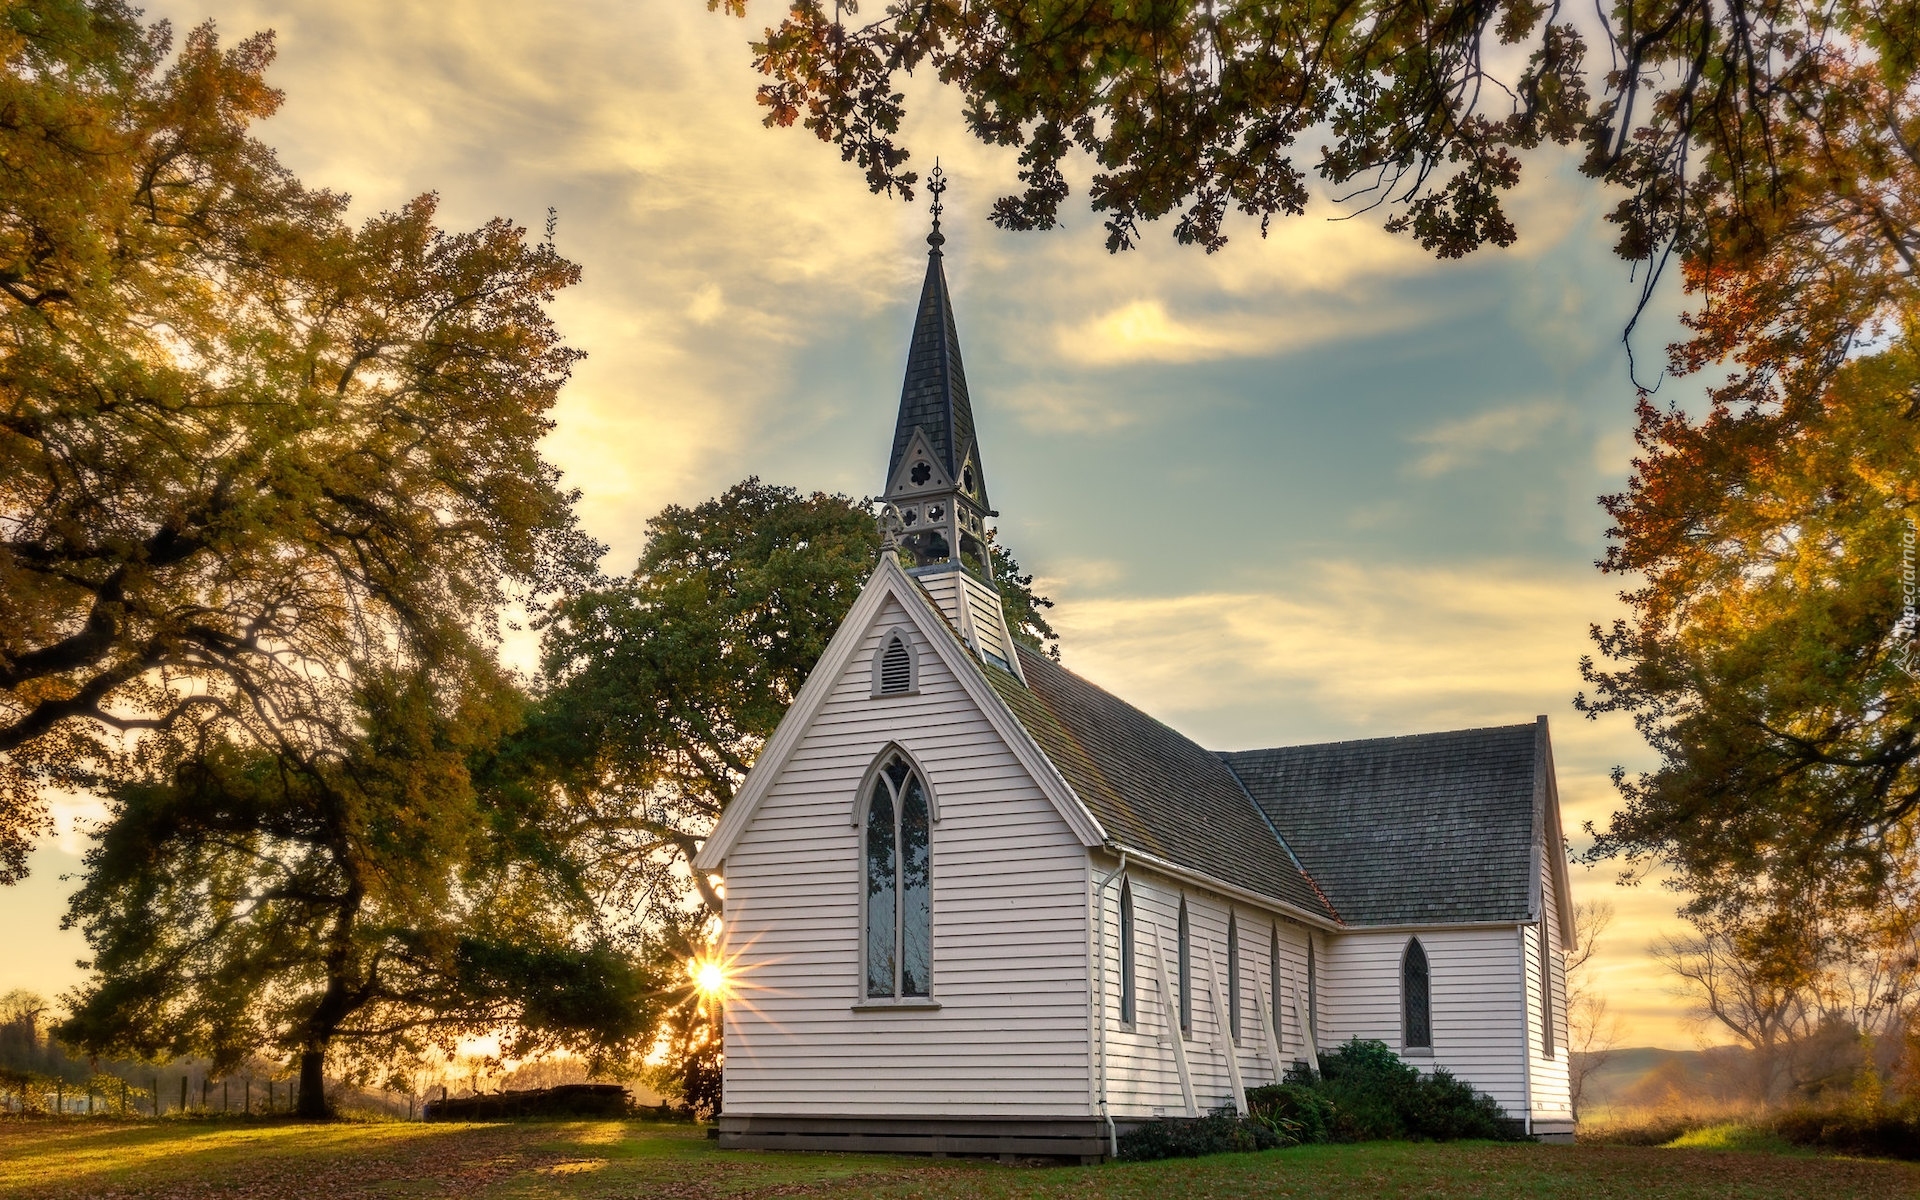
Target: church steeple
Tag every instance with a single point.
(934, 479)
(935, 489)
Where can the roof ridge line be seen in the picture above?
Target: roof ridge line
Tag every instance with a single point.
(1390, 737)
(1267, 820)
(945, 303)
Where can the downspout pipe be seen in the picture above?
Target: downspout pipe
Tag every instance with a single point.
(1100, 993)
(1526, 1037)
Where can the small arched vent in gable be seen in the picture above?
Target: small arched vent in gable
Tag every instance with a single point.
(893, 667)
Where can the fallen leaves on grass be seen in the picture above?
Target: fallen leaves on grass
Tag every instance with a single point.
(613, 1161)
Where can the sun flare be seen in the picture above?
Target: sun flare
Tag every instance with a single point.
(709, 977)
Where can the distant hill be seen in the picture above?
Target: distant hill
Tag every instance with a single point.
(1649, 1077)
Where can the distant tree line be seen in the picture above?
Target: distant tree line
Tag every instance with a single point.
(1825, 1001)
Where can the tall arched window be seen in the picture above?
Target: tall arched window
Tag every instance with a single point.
(1313, 992)
(899, 892)
(1186, 970)
(1126, 952)
(1233, 976)
(1416, 998)
(1273, 981)
(1546, 992)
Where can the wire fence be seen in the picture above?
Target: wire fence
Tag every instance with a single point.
(189, 1093)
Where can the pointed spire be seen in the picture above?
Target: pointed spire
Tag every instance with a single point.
(933, 398)
(936, 512)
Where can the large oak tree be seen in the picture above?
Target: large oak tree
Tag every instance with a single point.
(243, 444)
(356, 911)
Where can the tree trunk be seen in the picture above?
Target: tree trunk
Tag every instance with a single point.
(313, 1084)
(337, 1003)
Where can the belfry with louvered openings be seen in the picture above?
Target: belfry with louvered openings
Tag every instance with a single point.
(977, 904)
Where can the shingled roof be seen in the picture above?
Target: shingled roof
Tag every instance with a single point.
(1404, 830)
(1154, 790)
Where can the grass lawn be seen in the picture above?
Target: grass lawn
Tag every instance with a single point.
(267, 1160)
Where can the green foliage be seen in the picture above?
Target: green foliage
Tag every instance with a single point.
(1365, 1092)
(1880, 1132)
(351, 911)
(27, 1046)
(661, 687)
(244, 445)
(1868, 1130)
(1298, 1110)
(1025, 612)
(1377, 1095)
(1222, 1131)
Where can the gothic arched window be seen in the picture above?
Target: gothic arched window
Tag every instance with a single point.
(899, 878)
(1273, 982)
(1546, 991)
(1416, 997)
(1126, 953)
(1313, 994)
(1233, 976)
(1186, 970)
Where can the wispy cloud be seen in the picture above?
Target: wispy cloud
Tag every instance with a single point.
(1147, 330)
(1471, 440)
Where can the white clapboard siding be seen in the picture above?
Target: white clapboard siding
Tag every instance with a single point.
(1551, 1091)
(1009, 924)
(973, 608)
(1475, 978)
(1143, 1077)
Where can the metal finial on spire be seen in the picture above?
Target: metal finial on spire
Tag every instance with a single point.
(891, 527)
(936, 184)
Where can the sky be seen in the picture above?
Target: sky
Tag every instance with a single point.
(1313, 487)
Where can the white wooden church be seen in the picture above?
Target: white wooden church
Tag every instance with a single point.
(976, 904)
